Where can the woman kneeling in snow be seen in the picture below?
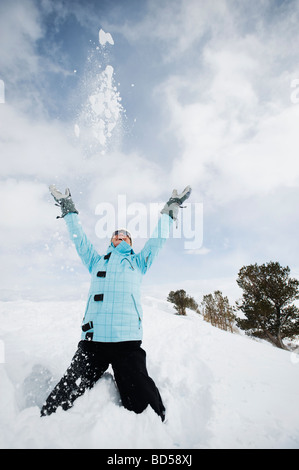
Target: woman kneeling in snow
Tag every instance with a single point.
(112, 324)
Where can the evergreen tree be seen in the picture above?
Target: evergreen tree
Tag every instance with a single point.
(182, 301)
(267, 302)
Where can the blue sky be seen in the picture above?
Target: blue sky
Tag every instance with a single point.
(204, 91)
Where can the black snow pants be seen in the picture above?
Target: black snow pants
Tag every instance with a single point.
(137, 390)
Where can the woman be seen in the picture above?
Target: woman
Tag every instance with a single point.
(112, 324)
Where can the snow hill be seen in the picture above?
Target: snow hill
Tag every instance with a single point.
(221, 390)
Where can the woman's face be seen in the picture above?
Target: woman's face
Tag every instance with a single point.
(119, 236)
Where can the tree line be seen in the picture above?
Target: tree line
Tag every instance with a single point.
(267, 309)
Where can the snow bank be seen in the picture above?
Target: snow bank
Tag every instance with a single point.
(220, 390)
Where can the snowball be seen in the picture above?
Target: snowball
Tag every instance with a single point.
(105, 37)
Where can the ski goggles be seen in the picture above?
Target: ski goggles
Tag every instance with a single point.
(122, 232)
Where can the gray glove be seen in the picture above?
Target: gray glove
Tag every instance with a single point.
(172, 206)
(64, 201)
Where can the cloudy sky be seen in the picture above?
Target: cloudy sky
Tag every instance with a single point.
(182, 92)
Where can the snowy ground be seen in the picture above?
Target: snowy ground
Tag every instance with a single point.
(221, 390)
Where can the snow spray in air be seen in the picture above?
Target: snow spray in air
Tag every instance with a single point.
(99, 120)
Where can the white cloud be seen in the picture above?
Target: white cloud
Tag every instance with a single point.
(178, 25)
(25, 214)
(129, 174)
(36, 148)
(232, 116)
(20, 28)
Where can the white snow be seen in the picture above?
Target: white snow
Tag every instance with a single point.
(105, 37)
(77, 130)
(221, 390)
(102, 111)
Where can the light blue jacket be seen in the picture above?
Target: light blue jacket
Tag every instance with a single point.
(113, 311)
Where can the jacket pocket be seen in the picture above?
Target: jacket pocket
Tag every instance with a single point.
(87, 305)
(137, 310)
